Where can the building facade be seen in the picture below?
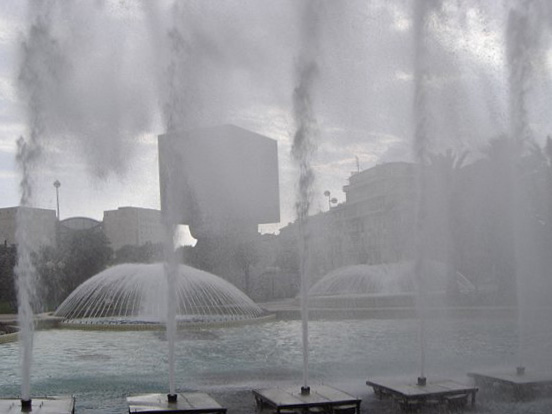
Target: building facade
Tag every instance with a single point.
(375, 223)
(373, 226)
(222, 182)
(41, 225)
(132, 226)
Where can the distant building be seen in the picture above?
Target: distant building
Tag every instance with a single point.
(377, 218)
(132, 226)
(373, 226)
(41, 222)
(75, 224)
(213, 177)
(222, 182)
(79, 223)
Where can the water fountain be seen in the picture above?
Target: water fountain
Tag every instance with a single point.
(303, 151)
(102, 367)
(131, 296)
(385, 289)
(525, 46)
(304, 146)
(35, 78)
(522, 226)
(177, 117)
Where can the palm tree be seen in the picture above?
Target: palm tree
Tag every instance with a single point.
(445, 168)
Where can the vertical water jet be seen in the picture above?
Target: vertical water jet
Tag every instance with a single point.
(303, 149)
(421, 153)
(38, 73)
(175, 115)
(522, 40)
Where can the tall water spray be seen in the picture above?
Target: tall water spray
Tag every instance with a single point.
(524, 30)
(171, 268)
(39, 74)
(59, 90)
(135, 294)
(303, 149)
(421, 144)
(176, 113)
(25, 271)
(193, 81)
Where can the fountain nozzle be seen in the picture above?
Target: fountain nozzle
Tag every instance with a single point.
(305, 390)
(520, 370)
(26, 405)
(422, 381)
(172, 398)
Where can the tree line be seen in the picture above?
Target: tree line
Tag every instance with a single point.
(79, 255)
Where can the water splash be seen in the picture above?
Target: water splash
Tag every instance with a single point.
(78, 71)
(422, 147)
(383, 279)
(192, 95)
(526, 54)
(135, 293)
(524, 30)
(176, 113)
(59, 92)
(26, 275)
(170, 268)
(303, 149)
(39, 74)
(179, 113)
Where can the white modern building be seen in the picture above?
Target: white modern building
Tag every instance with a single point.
(376, 220)
(132, 226)
(373, 226)
(41, 225)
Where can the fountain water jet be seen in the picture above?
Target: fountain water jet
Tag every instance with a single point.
(384, 279)
(421, 301)
(175, 115)
(421, 150)
(132, 296)
(170, 268)
(525, 52)
(422, 391)
(35, 79)
(57, 110)
(302, 152)
(303, 149)
(521, 47)
(387, 289)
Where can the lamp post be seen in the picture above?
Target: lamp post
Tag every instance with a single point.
(330, 199)
(328, 194)
(57, 184)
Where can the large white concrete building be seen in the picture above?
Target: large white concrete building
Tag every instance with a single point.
(132, 226)
(41, 225)
(213, 177)
(376, 221)
(373, 226)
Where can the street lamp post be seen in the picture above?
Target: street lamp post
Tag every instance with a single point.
(330, 199)
(57, 184)
(328, 194)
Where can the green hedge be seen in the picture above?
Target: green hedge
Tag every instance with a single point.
(5, 307)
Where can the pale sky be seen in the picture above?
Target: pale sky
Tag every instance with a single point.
(104, 109)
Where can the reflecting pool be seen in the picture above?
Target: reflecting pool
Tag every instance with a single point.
(102, 367)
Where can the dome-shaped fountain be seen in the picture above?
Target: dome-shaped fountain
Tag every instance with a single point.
(364, 280)
(381, 285)
(134, 296)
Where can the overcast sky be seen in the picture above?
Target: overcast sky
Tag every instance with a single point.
(108, 83)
